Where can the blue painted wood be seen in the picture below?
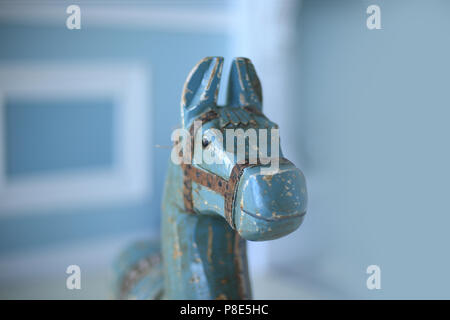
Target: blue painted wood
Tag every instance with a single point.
(203, 254)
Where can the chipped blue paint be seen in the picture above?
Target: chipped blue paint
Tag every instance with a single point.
(203, 256)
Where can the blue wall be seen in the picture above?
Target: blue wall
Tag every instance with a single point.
(373, 129)
(45, 135)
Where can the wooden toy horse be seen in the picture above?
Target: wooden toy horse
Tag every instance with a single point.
(211, 209)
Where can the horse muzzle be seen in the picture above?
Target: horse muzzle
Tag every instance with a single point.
(269, 205)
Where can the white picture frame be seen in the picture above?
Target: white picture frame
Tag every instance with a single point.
(128, 180)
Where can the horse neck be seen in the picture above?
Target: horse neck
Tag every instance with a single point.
(204, 257)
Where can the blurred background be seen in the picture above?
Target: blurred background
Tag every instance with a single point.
(86, 117)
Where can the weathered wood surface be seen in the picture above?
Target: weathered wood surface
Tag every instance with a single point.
(210, 210)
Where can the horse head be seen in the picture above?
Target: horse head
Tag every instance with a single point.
(228, 171)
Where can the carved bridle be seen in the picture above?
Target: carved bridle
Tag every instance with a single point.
(227, 188)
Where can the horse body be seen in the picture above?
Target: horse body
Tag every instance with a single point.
(211, 209)
(204, 258)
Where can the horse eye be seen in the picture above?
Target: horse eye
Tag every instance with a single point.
(205, 142)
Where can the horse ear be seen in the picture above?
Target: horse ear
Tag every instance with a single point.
(244, 87)
(201, 88)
